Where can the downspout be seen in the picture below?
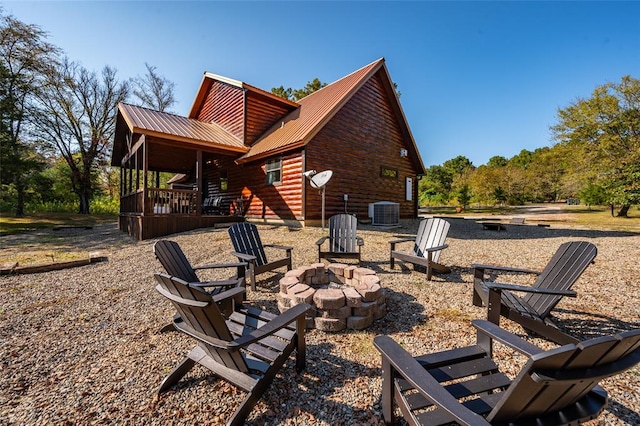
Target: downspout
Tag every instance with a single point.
(416, 192)
(304, 185)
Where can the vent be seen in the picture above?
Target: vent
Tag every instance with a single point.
(384, 213)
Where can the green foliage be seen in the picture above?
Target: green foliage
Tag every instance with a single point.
(435, 186)
(605, 130)
(593, 195)
(297, 94)
(464, 196)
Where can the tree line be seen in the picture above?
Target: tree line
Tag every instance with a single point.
(57, 120)
(595, 158)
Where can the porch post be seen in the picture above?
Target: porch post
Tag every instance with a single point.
(145, 170)
(199, 182)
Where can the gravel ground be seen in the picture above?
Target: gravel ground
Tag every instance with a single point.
(81, 346)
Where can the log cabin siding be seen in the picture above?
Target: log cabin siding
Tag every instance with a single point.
(363, 136)
(224, 105)
(262, 201)
(261, 115)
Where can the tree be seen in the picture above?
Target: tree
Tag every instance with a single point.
(464, 196)
(605, 128)
(76, 115)
(459, 165)
(435, 185)
(297, 94)
(25, 58)
(497, 161)
(153, 90)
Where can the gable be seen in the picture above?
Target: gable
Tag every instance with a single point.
(300, 126)
(241, 109)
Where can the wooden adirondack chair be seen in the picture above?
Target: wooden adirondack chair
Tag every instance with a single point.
(427, 248)
(533, 310)
(464, 385)
(343, 241)
(246, 350)
(249, 248)
(174, 261)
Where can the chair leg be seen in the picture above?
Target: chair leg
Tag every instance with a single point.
(301, 345)
(494, 305)
(252, 275)
(387, 391)
(176, 374)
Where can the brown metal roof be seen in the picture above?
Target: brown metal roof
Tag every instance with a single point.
(315, 110)
(175, 127)
(207, 81)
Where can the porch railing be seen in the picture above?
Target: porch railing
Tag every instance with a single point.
(161, 201)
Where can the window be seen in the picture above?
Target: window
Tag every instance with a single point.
(224, 182)
(273, 169)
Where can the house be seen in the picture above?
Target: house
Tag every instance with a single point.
(248, 149)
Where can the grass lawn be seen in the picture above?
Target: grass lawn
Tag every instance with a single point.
(10, 224)
(595, 217)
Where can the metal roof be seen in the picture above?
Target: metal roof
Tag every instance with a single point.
(175, 127)
(316, 109)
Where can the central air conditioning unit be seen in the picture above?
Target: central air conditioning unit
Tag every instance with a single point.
(384, 213)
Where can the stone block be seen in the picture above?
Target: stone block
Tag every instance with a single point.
(329, 298)
(359, 323)
(370, 280)
(380, 311)
(286, 283)
(298, 273)
(348, 271)
(371, 293)
(337, 269)
(281, 307)
(366, 309)
(341, 313)
(352, 297)
(301, 293)
(358, 273)
(330, 324)
(284, 300)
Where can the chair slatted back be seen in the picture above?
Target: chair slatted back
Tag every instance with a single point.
(245, 239)
(200, 314)
(174, 261)
(432, 232)
(563, 270)
(559, 377)
(342, 233)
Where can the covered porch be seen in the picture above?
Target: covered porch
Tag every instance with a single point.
(163, 189)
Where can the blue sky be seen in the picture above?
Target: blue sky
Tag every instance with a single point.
(477, 78)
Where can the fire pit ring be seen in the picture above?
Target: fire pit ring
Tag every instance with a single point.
(344, 296)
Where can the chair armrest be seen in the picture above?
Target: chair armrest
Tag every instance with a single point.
(321, 241)
(529, 289)
(281, 321)
(247, 257)
(407, 367)
(221, 265)
(235, 282)
(228, 294)
(360, 241)
(504, 269)
(402, 240)
(437, 248)
(279, 247)
(498, 334)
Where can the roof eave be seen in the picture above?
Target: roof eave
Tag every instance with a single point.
(191, 141)
(266, 154)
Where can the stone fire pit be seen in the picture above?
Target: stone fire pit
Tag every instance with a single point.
(344, 296)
